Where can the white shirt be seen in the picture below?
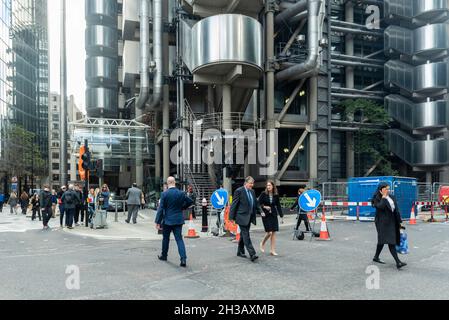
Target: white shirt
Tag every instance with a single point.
(391, 203)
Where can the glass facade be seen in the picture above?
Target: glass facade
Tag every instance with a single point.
(24, 76)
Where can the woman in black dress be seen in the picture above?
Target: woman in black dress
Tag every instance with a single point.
(388, 223)
(271, 208)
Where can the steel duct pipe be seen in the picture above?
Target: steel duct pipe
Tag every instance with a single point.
(144, 54)
(158, 79)
(296, 72)
(290, 11)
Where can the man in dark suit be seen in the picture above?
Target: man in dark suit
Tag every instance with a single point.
(243, 211)
(170, 218)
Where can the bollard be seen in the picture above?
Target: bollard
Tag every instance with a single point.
(124, 207)
(116, 212)
(432, 219)
(358, 213)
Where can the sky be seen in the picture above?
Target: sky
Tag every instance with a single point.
(76, 53)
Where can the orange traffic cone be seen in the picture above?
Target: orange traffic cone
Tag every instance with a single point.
(192, 231)
(309, 216)
(324, 233)
(237, 235)
(412, 216)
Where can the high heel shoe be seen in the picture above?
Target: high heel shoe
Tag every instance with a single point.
(262, 247)
(274, 254)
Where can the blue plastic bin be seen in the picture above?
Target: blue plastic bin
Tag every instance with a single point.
(362, 190)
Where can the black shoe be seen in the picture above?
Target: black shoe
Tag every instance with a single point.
(400, 265)
(254, 258)
(127, 221)
(183, 264)
(378, 261)
(241, 255)
(162, 258)
(135, 222)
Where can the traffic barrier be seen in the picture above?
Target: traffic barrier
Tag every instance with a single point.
(192, 231)
(324, 233)
(358, 205)
(412, 216)
(432, 205)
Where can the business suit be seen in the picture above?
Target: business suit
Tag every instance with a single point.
(169, 215)
(134, 201)
(243, 211)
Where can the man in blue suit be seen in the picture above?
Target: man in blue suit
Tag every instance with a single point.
(170, 218)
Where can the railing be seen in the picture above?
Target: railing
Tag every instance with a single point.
(235, 120)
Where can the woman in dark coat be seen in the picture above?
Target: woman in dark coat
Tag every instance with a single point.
(388, 223)
(271, 207)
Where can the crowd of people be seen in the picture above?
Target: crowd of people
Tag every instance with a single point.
(246, 206)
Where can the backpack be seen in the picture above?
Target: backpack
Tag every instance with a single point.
(68, 198)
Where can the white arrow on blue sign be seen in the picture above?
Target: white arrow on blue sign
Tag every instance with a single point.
(310, 200)
(219, 199)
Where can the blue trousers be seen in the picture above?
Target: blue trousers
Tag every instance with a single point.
(177, 231)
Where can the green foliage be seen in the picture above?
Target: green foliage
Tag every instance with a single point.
(371, 143)
(21, 154)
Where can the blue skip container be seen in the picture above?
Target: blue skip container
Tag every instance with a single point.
(362, 190)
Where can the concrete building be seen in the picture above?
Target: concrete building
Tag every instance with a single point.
(54, 113)
(287, 67)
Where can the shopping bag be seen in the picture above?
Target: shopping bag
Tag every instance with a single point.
(403, 246)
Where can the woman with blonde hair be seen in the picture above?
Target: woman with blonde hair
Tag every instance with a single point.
(271, 208)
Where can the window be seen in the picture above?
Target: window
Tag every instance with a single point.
(55, 166)
(55, 155)
(56, 177)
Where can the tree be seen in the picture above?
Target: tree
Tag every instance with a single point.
(366, 112)
(20, 155)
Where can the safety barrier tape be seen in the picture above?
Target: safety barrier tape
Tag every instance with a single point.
(429, 203)
(347, 204)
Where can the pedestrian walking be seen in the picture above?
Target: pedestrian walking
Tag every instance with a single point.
(270, 204)
(45, 204)
(192, 195)
(302, 215)
(61, 206)
(105, 194)
(244, 209)
(2, 201)
(13, 203)
(134, 201)
(91, 202)
(79, 206)
(54, 203)
(70, 199)
(170, 218)
(35, 207)
(204, 216)
(24, 202)
(388, 223)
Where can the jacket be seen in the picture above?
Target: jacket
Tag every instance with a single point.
(276, 209)
(241, 208)
(388, 222)
(45, 199)
(172, 202)
(75, 199)
(134, 196)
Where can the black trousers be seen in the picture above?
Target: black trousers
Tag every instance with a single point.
(245, 241)
(38, 211)
(79, 211)
(47, 214)
(303, 217)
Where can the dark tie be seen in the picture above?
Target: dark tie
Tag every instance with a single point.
(250, 199)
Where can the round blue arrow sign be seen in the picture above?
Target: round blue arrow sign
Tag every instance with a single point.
(310, 200)
(219, 199)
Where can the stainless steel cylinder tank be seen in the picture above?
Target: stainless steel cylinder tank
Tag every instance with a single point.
(102, 58)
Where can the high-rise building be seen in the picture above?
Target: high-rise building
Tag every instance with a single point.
(24, 75)
(292, 65)
(54, 113)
